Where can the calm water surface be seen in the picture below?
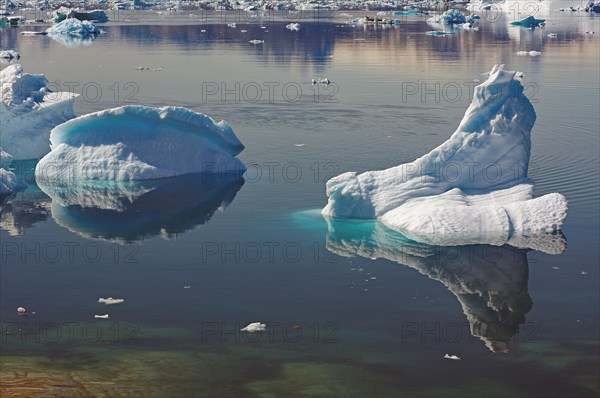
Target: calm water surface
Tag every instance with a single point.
(353, 309)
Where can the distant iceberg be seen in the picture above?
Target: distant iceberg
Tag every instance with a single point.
(451, 16)
(28, 110)
(139, 143)
(471, 188)
(65, 13)
(72, 32)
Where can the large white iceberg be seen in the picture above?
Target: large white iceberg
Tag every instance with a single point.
(28, 111)
(472, 188)
(139, 143)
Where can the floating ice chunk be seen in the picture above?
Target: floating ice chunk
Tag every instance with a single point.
(449, 17)
(452, 357)
(33, 33)
(5, 158)
(473, 187)
(552, 35)
(28, 110)
(522, 53)
(325, 81)
(65, 13)
(293, 26)
(9, 55)
(110, 300)
(254, 327)
(256, 41)
(8, 180)
(529, 22)
(437, 33)
(21, 310)
(105, 316)
(139, 143)
(534, 53)
(74, 27)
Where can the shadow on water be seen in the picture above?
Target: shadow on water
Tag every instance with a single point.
(490, 282)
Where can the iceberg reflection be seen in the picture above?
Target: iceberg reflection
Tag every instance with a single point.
(490, 282)
(130, 211)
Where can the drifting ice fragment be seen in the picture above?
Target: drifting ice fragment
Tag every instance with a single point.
(21, 310)
(529, 22)
(452, 357)
(139, 143)
(256, 41)
(255, 327)
(110, 300)
(105, 316)
(294, 26)
(74, 27)
(28, 110)
(9, 55)
(424, 203)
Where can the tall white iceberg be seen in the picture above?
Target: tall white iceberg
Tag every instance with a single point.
(139, 143)
(8, 179)
(471, 188)
(28, 111)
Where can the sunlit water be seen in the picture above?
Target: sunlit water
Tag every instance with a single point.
(352, 309)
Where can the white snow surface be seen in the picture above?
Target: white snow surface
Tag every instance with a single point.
(28, 111)
(139, 143)
(471, 187)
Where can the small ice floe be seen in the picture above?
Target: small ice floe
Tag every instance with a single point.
(324, 81)
(105, 316)
(263, 27)
(254, 327)
(437, 33)
(522, 53)
(590, 33)
(202, 30)
(552, 35)
(243, 31)
(21, 311)
(534, 53)
(255, 42)
(452, 357)
(294, 26)
(33, 33)
(555, 268)
(299, 145)
(529, 22)
(187, 286)
(147, 68)
(231, 25)
(9, 54)
(583, 273)
(110, 300)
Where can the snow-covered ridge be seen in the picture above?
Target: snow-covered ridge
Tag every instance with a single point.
(28, 111)
(473, 185)
(140, 143)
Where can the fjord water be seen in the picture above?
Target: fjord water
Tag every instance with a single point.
(352, 309)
